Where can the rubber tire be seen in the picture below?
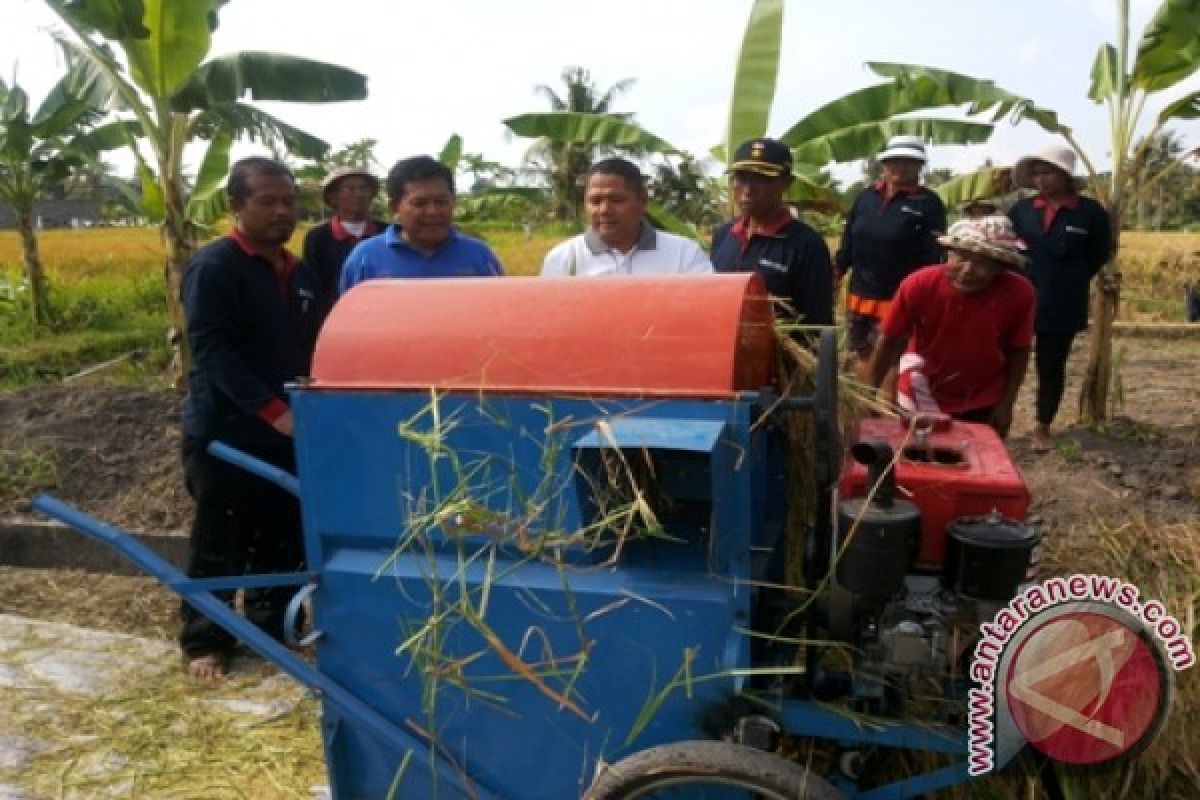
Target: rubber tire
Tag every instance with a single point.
(671, 765)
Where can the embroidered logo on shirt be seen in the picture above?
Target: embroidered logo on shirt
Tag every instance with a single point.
(913, 211)
(775, 265)
(305, 297)
(1073, 229)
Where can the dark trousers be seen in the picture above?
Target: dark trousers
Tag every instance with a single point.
(1050, 354)
(242, 525)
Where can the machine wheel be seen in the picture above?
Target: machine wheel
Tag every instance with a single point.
(698, 770)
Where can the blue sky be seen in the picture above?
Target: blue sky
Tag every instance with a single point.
(461, 66)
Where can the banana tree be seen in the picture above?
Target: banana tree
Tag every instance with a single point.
(164, 86)
(1122, 79)
(38, 152)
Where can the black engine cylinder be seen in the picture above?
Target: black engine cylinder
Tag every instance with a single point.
(988, 557)
(883, 534)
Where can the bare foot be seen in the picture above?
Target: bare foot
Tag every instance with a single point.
(1042, 441)
(208, 668)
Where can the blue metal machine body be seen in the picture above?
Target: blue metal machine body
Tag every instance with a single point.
(636, 650)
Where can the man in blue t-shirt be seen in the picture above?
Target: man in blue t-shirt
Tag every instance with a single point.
(423, 242)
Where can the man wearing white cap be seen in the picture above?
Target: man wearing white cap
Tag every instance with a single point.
(349, 191)
(1070, 239)
(891, 231)
(969, 322)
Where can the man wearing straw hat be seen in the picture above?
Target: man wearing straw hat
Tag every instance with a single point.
(969, 327)
(349, 192)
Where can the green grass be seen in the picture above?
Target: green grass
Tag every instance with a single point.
(25, 469)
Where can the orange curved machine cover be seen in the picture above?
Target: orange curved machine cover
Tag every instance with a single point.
(678, 336)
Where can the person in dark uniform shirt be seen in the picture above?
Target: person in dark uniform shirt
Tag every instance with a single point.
(253, 313)
(791, 257)
(349, 191)
(1069, 238)
(891, 231)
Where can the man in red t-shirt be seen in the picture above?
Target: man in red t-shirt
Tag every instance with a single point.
(969, 324)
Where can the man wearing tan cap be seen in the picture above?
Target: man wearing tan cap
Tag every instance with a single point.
(791, 257)
(349, 191)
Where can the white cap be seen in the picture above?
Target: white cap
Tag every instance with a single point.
(904, 147)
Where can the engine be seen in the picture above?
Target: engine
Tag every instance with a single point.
(929, 541)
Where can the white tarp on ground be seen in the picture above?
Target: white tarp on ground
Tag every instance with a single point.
(44, 665)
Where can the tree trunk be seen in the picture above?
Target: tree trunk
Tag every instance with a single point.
(34, 273)
(179, 252)
(1106, 295)
(179, 241)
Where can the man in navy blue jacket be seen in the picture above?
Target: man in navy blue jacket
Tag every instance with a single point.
(253, 313)
(791, 257)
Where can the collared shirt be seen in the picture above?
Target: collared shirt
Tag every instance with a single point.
(1064, 256)
(772, 227)
(654, 253)
(326, 247)
(282, 276)
(1050, 210)
(792, 259)
(390, 256)
(888, 236)
(251, 326)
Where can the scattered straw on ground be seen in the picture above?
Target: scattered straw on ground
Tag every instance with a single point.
(134, 726)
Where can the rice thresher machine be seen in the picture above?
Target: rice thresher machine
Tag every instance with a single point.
(544, 525)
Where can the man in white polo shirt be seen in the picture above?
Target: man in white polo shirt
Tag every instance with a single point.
(619, 240)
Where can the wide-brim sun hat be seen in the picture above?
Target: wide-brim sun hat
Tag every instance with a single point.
(904, 147)
(329, 182)
(993, 237)
(1056, 155)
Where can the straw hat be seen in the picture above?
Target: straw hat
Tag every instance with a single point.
(330, 181)
(1056, 155)
(992, 236)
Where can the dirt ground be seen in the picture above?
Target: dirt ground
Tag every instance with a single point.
(113, 451)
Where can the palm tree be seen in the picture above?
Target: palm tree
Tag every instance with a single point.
(564, 163)
(38, 153)
(1162, 154)
(846, 129)
(171, 96)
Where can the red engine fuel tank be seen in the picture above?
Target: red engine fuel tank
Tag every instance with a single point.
(949, 469)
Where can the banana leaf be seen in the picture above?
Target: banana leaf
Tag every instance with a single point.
(1169, 51)
(756, 74)
(585, 128)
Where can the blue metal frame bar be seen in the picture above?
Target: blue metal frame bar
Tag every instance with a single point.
(332, 692)
(919, 785)
(806, 718)
(189, 586)
(256, 466)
